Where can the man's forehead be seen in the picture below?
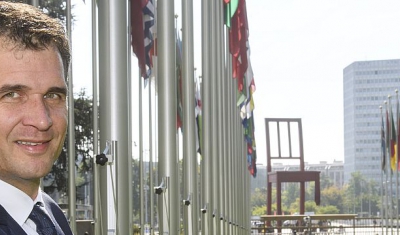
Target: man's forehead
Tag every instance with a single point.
(28, 64)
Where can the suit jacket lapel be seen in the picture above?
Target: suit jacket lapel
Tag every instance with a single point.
(56, 213)
(8, 226)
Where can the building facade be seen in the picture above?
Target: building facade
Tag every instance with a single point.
(366, 86)
(332, 170)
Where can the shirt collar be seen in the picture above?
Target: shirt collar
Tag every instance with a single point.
(17, 203)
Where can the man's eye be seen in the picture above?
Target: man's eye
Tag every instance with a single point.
(11, 95)
(52, 96)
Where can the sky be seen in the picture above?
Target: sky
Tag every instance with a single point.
(298, 52)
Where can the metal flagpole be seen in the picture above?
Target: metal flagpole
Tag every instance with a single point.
(219, 22)
(242, 181)
(390, 160)
(114, 114)
(151, 175)
(241, 175)
(104, 112)
(229, 108)
(119, 41)
(239, 209)
(248, 203)
(151, 148)
(225, 125)
(215, 85)
(396, 162)
(141, 168)
(206, 166)
(233, 149)
(387, 169)
(383, 158)
(96, 188)
(128, 199)
(234, 163)
(71, 133)
(189, 128)
(238, 170)
(168, 158)
(34, 3)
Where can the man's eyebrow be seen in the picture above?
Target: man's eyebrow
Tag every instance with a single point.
(62, 90)
(17, 87)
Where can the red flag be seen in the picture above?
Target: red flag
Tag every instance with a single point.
(238, 43)
(393, 142)
(137, 33)
(398, 133)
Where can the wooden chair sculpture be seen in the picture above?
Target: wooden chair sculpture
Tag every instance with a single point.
(278, 177)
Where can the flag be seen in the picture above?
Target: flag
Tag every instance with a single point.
(230, 7)
(398, 133)
(238, 35)
(137, 34)
(246, 112)
(198, 116)
(179, 116)
(142, 22)
(251, 147)
(383, 146)
(387, 130)
(149, 23)
(236, 20)
(393, 142)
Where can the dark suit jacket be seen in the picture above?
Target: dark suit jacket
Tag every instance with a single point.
(8, 226)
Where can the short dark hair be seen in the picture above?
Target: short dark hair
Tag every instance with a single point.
(27, 27)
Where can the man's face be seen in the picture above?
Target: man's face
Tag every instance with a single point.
(33, 112)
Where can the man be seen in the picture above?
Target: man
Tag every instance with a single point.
(34, 60)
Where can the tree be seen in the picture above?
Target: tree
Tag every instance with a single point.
(56, 180)
(136, 190)
(332, 196)
(327, 210)
(54, 8)
(259, 197)
(291, 193)
(262, 210)
(361, 195)
(325, 181)
(258, 201)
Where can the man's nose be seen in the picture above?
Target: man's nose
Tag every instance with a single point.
(37, 113)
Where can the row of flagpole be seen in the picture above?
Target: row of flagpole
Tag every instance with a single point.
(222, 189)
(227, 149)
(390, 163)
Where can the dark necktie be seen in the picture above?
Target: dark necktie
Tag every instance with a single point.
(44, 225)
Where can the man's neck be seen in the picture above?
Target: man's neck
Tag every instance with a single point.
(30, 187)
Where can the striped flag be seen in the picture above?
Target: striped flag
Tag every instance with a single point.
(143, 22)
(383, 146)
(393, 142)
(149, 28)
(398, 133)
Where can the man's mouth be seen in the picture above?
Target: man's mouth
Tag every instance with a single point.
(29, 143)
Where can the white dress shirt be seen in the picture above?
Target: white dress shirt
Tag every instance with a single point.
(19, 205)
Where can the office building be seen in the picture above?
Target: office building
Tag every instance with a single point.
(366, 85)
